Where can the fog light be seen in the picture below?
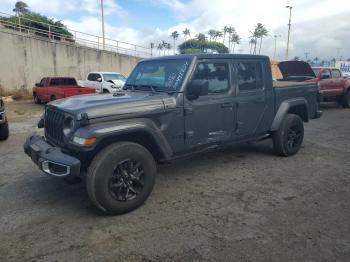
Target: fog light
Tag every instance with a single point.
(84, 141)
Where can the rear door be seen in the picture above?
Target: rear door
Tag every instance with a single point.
(210, 118)
(252, 102)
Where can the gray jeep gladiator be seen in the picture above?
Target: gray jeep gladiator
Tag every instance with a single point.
(170, 108)
(4, 127)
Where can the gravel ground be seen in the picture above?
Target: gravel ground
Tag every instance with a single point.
(240, 204)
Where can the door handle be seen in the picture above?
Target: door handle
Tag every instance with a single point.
(227, 105)
(259, 100)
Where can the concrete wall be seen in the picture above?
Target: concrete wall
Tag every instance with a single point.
(25, 60)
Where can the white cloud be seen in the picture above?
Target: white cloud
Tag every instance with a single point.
(318, 27)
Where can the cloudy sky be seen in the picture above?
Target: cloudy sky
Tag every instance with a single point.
(319, 27)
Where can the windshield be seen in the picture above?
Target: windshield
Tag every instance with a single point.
(159, 74)
(109, 77)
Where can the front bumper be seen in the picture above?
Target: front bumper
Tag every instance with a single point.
(50, 159)
(2, 117)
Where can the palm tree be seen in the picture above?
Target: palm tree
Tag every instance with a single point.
(235, 40)
(20, 8)
(231, 30)
(261, 32)
(211, 34)
(168, 47)
(174, 35)
(164, 45)
(201, 37)
(160, 47)
(225, 31)
(186, 33)
(252, 43)
(218, 34)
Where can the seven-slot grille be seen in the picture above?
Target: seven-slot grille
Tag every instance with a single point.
(54, 126)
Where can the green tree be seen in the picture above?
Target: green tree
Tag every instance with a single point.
(193, 46)
(201, 37)
(20, 8)
(186, 33)
(175, 36)
(231, 30)
(252, 43)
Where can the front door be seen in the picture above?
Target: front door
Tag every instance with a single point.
(253, 103)
(210, 118)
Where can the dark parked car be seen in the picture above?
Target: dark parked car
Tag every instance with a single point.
(4, 127)
(171, 107)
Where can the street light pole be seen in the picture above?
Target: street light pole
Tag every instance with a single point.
(103, 26)
(289, 24)
(274, 52)
(306, 54)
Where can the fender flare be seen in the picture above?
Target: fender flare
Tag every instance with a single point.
(117, 128)
(284, 109)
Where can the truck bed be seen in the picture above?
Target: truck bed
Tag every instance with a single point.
(285, 90)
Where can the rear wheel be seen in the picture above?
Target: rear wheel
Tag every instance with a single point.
(346, 99)
(288, 139)
(121, 177)
(36, 99)
(4, 131)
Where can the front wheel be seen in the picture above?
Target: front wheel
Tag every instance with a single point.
(4, 131)
(346, 99)
(36, 99)
(288, 139)
(121, 177)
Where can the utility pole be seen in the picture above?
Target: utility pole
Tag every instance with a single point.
(103, 26)
(306, 54)
(289, 24)
(274, 52)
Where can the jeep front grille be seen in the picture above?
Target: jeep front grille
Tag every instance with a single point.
(54, 126)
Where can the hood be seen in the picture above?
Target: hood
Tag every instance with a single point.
(292, 69)
(103, 105)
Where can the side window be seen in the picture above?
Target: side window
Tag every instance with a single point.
(326, 74)
(55, 82)
(216, 74)
(250, 76)
(336, 73)
(93, 77)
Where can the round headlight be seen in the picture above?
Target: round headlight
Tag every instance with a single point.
(68, 125)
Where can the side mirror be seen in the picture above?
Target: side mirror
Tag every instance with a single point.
(39, 85)
(99, 79)
(197, 88)
(325, 76)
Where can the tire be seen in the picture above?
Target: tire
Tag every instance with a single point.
(4, 131)
(53, 98)
(36, 99)
(288, 139)
(345, 102)
(105, 91)
(109, 173)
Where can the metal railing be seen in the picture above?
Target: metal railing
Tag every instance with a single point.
(76, 37)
